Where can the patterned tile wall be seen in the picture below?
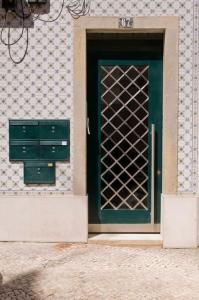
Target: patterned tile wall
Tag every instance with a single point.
(42, 87)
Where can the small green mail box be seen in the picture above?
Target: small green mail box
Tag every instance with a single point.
(54, 130)
(24, 130)
(23, 150)
(38, 172)
(54, 150)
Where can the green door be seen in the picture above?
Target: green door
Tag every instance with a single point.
(124, 144)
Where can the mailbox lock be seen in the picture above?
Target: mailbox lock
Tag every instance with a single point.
(53, 149)
(24, 149)
(53, 129)
(38, 170)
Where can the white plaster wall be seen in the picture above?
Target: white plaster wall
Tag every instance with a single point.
(179, 221)
(44, 218)
(42, 87)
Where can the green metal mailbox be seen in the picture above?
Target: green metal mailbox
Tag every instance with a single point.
(24, 130)
(24, 150)
(54, 130)
(54, 150)
(38, 172)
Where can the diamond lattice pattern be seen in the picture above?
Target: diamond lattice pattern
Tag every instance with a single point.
(124, 137)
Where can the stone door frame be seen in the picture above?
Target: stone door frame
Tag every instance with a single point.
(170, 27)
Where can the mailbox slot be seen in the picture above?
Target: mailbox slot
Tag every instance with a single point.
(54, 130)
(54, 150)
(24, 130)
(39, 173)
(24, 150)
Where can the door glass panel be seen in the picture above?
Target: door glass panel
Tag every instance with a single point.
(124, 137)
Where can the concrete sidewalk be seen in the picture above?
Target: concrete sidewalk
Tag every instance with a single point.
(71, 271)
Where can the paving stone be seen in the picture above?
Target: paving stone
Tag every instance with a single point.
(97, 272)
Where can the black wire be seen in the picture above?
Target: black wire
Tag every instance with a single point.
(32, 13)
(36, 18)
(77, 10)
(3, 28)
(50, 21)
(23, 16)
(26, 50)
(27, 42)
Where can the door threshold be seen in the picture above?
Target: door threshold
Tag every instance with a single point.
(124, 228)
(126, 239)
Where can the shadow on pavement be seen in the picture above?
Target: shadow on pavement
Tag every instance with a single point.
(20, 287)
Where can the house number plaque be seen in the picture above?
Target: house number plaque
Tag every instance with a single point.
(125, 22)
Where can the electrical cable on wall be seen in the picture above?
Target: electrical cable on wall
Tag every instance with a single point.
(79, 8)
(76, 8)
(9, 48)
(8, 43)
(23, 16)
(59, 14)
(2, 30)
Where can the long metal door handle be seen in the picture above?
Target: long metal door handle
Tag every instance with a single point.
(88, 127)
(152, 173)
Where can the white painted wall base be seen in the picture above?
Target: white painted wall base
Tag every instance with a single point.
(44, 218)
(179, 221)
(65, 219)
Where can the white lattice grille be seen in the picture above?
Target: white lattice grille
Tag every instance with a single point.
(124, 137)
